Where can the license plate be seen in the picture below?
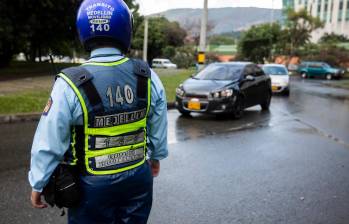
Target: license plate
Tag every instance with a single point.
(194, 104)
(274, 88)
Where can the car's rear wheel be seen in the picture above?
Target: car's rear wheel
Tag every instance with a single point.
(304, 75)
(329, 76)
(266, 103)
(238, 110)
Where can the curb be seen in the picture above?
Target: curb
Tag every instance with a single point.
(329, 95)
(16, 118)
(339, 97)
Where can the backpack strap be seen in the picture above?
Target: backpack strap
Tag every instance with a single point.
(143, 73)
(81, 77)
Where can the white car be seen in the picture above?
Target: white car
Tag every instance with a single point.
(163, 63)
(280, 79)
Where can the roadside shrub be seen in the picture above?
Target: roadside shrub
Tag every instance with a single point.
(184, 57)
(169, 51)
(335, 56)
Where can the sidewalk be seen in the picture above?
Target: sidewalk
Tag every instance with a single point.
(322, 88)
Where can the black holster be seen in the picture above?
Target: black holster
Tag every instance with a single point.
(63, 188)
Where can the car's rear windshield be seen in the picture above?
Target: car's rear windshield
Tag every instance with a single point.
(220, 72)
(275, 70)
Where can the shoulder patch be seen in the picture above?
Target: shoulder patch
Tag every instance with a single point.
(48, 106)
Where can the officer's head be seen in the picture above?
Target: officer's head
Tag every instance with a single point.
(105, 23)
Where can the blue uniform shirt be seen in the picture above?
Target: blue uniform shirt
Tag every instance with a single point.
(52, 137)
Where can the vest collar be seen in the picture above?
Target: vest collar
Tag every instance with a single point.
(105, 51)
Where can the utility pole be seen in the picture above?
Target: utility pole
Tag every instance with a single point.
(272, 12)
(145, 41)
(203, 34)
(271, 25)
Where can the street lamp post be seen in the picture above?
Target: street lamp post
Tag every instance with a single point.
(272, 12)
(145, 40)
(271, 25)
(203, 31)
(203, 34)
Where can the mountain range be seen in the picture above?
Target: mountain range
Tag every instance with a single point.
(223, 20)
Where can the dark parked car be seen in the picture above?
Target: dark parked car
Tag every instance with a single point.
(319, 69)
(225, 88)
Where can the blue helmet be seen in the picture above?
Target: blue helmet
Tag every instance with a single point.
(105, 22)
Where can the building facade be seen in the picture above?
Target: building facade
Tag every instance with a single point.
(288, 3)
(334, 14)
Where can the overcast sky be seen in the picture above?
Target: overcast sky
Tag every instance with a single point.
(153, 6)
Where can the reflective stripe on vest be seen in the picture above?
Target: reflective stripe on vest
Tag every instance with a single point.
(116, 142)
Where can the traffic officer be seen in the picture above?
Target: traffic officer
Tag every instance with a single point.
(108, 117)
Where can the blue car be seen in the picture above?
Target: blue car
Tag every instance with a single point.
(309, 69)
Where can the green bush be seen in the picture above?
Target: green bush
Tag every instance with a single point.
(335, 56)
(184, 57)
(169, 51)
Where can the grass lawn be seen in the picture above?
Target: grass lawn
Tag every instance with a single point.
(28, 69)
(34, 100)
(24, 102)
(172, 79)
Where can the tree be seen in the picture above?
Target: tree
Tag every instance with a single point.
(334, 55)
(184, 56)
(137, 18)
(10, 37)
(260, 41)
(257, 43)
(169, 52)
(40, 27)
(35, 27)
(49, 24)
(299, 26)
(193, 28)
(333, 38)
(162, 33)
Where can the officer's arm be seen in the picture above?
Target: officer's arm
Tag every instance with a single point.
(157, 122)
(52, 137)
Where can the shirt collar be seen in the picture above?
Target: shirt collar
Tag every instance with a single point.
(105, 51)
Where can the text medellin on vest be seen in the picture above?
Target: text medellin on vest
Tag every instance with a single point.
(118, 119)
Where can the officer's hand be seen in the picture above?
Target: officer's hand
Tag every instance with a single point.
(36, 200)
(155, 167)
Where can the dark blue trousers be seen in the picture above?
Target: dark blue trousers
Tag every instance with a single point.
(120, 198)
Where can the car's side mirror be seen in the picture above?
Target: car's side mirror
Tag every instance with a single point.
(249, 78)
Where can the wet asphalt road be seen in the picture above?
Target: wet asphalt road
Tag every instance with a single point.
(289, 165)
